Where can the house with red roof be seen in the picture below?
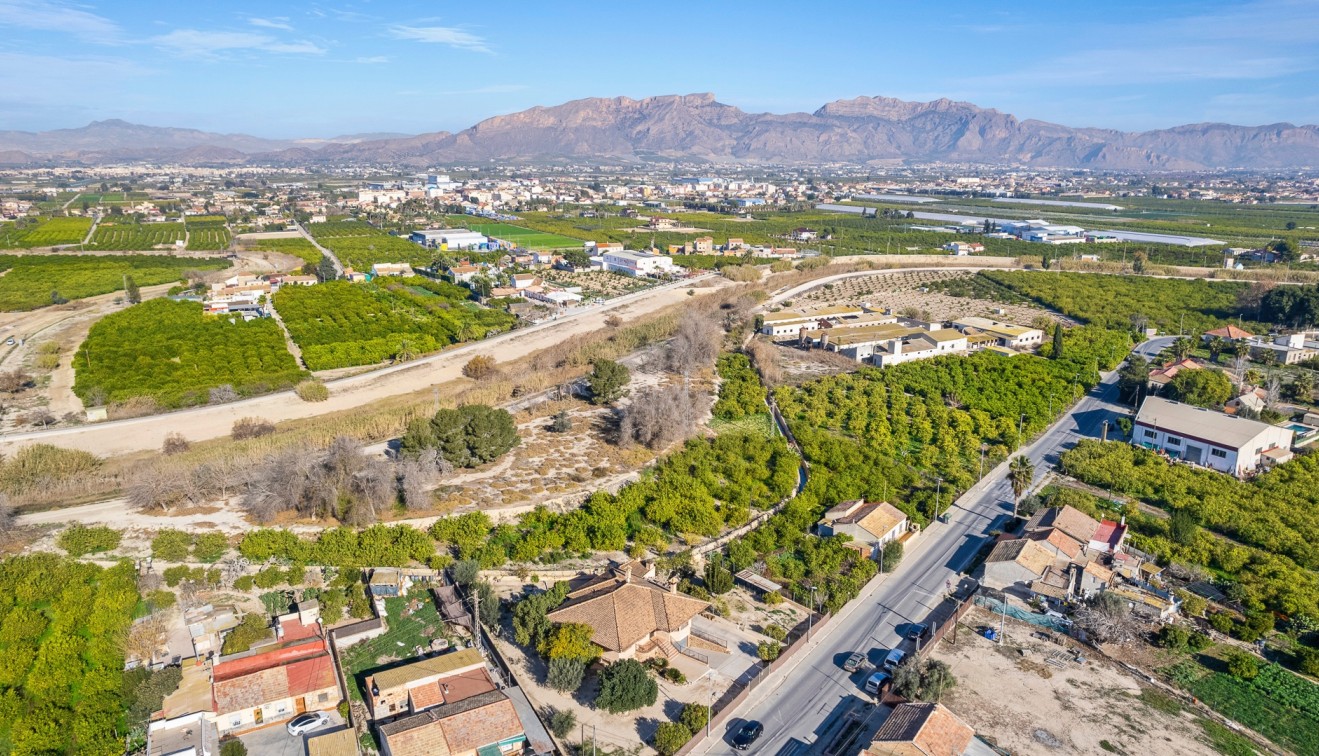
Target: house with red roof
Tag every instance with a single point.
(279, 680)
(1227, 333)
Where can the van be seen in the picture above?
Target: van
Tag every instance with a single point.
(877, 683)
(893, 659)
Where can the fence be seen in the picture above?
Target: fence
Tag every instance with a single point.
(1002, 607)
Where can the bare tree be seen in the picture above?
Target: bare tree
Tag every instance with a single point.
(222, 394)
(13, 381)
(1108, 618)
(342, 482)
(1240, 364)
(6, 516)
(765, 360)
(695, 345)
(416, 479)
(146, 637)
(658, 417)
(1272, 390)
(175, 443)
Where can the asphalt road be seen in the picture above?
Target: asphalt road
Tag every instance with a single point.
(805, 700)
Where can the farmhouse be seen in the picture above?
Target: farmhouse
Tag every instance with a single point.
(450, 238)
(638, 263)
(1005, 334)
(390, 269)
(922, 729)
(872, 525)
(629, 614)
(792, 322)
(426, 683)
(1233, 445)
(486, 724)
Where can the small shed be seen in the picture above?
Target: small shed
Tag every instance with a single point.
(758, 583)
(385, 582)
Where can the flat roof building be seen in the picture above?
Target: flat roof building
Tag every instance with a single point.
(1229, 444)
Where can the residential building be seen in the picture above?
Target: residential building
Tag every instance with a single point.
(703, 245)
(629, 614)
(338, 743)
(390, 269)
(1227, 333)
(891, 344)
(462, 274)
(450, 238)
(1162, 376)
(1004, 334)
(1233, 445)
(638, 263)
(1284, 349)
(872, 525)
(191, 735)
(486, 724)
(278, 681)
(1014, 564)
(804, 234)
(1105, 537)
(426, 683)
(922, 729)
(962, 249)
(206, 624)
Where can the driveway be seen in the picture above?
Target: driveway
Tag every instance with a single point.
(275, 740)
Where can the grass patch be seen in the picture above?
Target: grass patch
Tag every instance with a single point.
(1160, 701)
(413, 621)
(1225, 741)
(757, 425)
(1238, 701)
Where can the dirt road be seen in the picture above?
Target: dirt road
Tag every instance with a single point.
(147, 433)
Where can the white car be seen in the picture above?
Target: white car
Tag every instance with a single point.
(305, 723)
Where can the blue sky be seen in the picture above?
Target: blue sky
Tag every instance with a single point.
(284, 69)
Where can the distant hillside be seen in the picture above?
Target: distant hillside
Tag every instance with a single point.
(697, 127)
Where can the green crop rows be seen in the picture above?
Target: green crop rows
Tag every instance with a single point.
(134, 236)
(359, 246)
(173, 352)
(340, 324)
(31, 279)
(296, 246)
(47, 233)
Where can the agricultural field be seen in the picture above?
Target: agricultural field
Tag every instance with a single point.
(47, 233)
(1171, 305)
(136, 236)
(1277, 704)
(33, 281)
(938, 294)
(524, 237)
(296, 246)
(173, 353)
(340, 324)
(359, 245)
(208, 232)
(598, 283)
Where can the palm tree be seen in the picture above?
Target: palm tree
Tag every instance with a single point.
(1021, 472)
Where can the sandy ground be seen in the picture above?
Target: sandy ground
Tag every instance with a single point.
(140, 434)
(902, 290)
(1030, 706)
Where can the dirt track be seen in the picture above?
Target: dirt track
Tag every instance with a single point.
(148, 433)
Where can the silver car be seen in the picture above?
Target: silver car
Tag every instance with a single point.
(309, 722)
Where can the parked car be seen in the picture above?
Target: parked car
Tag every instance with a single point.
(747, 734)
(305, 723)
(855, 661)
(876, 683)
(10, 341)
(919, 631)
(893, 659)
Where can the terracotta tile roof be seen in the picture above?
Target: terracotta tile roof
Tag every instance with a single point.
(252, 689)
(425, 696)
(623, 613)
(883, 518)
(1059, 540)
(1024, 552)
(1110, 532)
(1230, 332)
(454, 728)
(931, 728)
(1069, 520)
(451, 689)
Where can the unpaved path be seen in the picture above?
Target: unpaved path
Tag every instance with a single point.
(147, 433)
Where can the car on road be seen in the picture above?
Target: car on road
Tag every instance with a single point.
(876, 683)
(747, 734)
(894, 658)
(305, 723)
(918, 631)
(855, 661)
(10, 341)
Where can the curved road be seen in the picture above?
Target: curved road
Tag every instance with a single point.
(806, 699)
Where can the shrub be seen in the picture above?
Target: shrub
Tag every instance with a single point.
(773, 598)
(233, 747)
(670, 737)
(80, 540)
(1221, 621)
(624, 686)
(562, 722)
(694, 716)
(776, 632)
(479, 367)
(565, 674)
(675, 675)
(1242, 665)
(252, 629)
(210, 547)
(175, 443)
(769, 650)
(161, 599)
(171, 545)
(312, 391)
(1192, 605)
(891, 555)
(251, 427)
(562, 422)
(176, 574)
(270, 577)
(244, 583)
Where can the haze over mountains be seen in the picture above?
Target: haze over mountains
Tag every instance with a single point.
(697, 127)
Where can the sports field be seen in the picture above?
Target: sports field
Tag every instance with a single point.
(524, 237)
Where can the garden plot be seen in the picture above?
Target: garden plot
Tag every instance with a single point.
(599, 283)
(903, 291)
(1011, 693)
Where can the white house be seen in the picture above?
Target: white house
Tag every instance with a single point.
(1233, 445)
(638, 263)
(450, 238)
(390, 269)
(873, 524)
(791, 322)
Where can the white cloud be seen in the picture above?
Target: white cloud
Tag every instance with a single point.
(441, 35)
(57, 91)
(279, 22)
(195, 43)
(372, 59)
(45, 15)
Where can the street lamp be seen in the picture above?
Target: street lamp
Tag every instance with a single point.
(983, 447)
(938, 486)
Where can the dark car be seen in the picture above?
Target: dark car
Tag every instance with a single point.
(747, 734)
(918, 632)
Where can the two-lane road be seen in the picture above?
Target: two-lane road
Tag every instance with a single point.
(804, 700)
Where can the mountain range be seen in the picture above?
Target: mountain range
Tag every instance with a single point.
(864, 130)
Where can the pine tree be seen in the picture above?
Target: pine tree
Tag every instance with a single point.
(1058, 341)
(133, 294)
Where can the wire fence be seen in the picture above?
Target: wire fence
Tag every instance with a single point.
(1001, 606)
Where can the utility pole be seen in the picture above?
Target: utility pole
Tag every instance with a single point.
(476, 618)
(983, 447)
(938, 487)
